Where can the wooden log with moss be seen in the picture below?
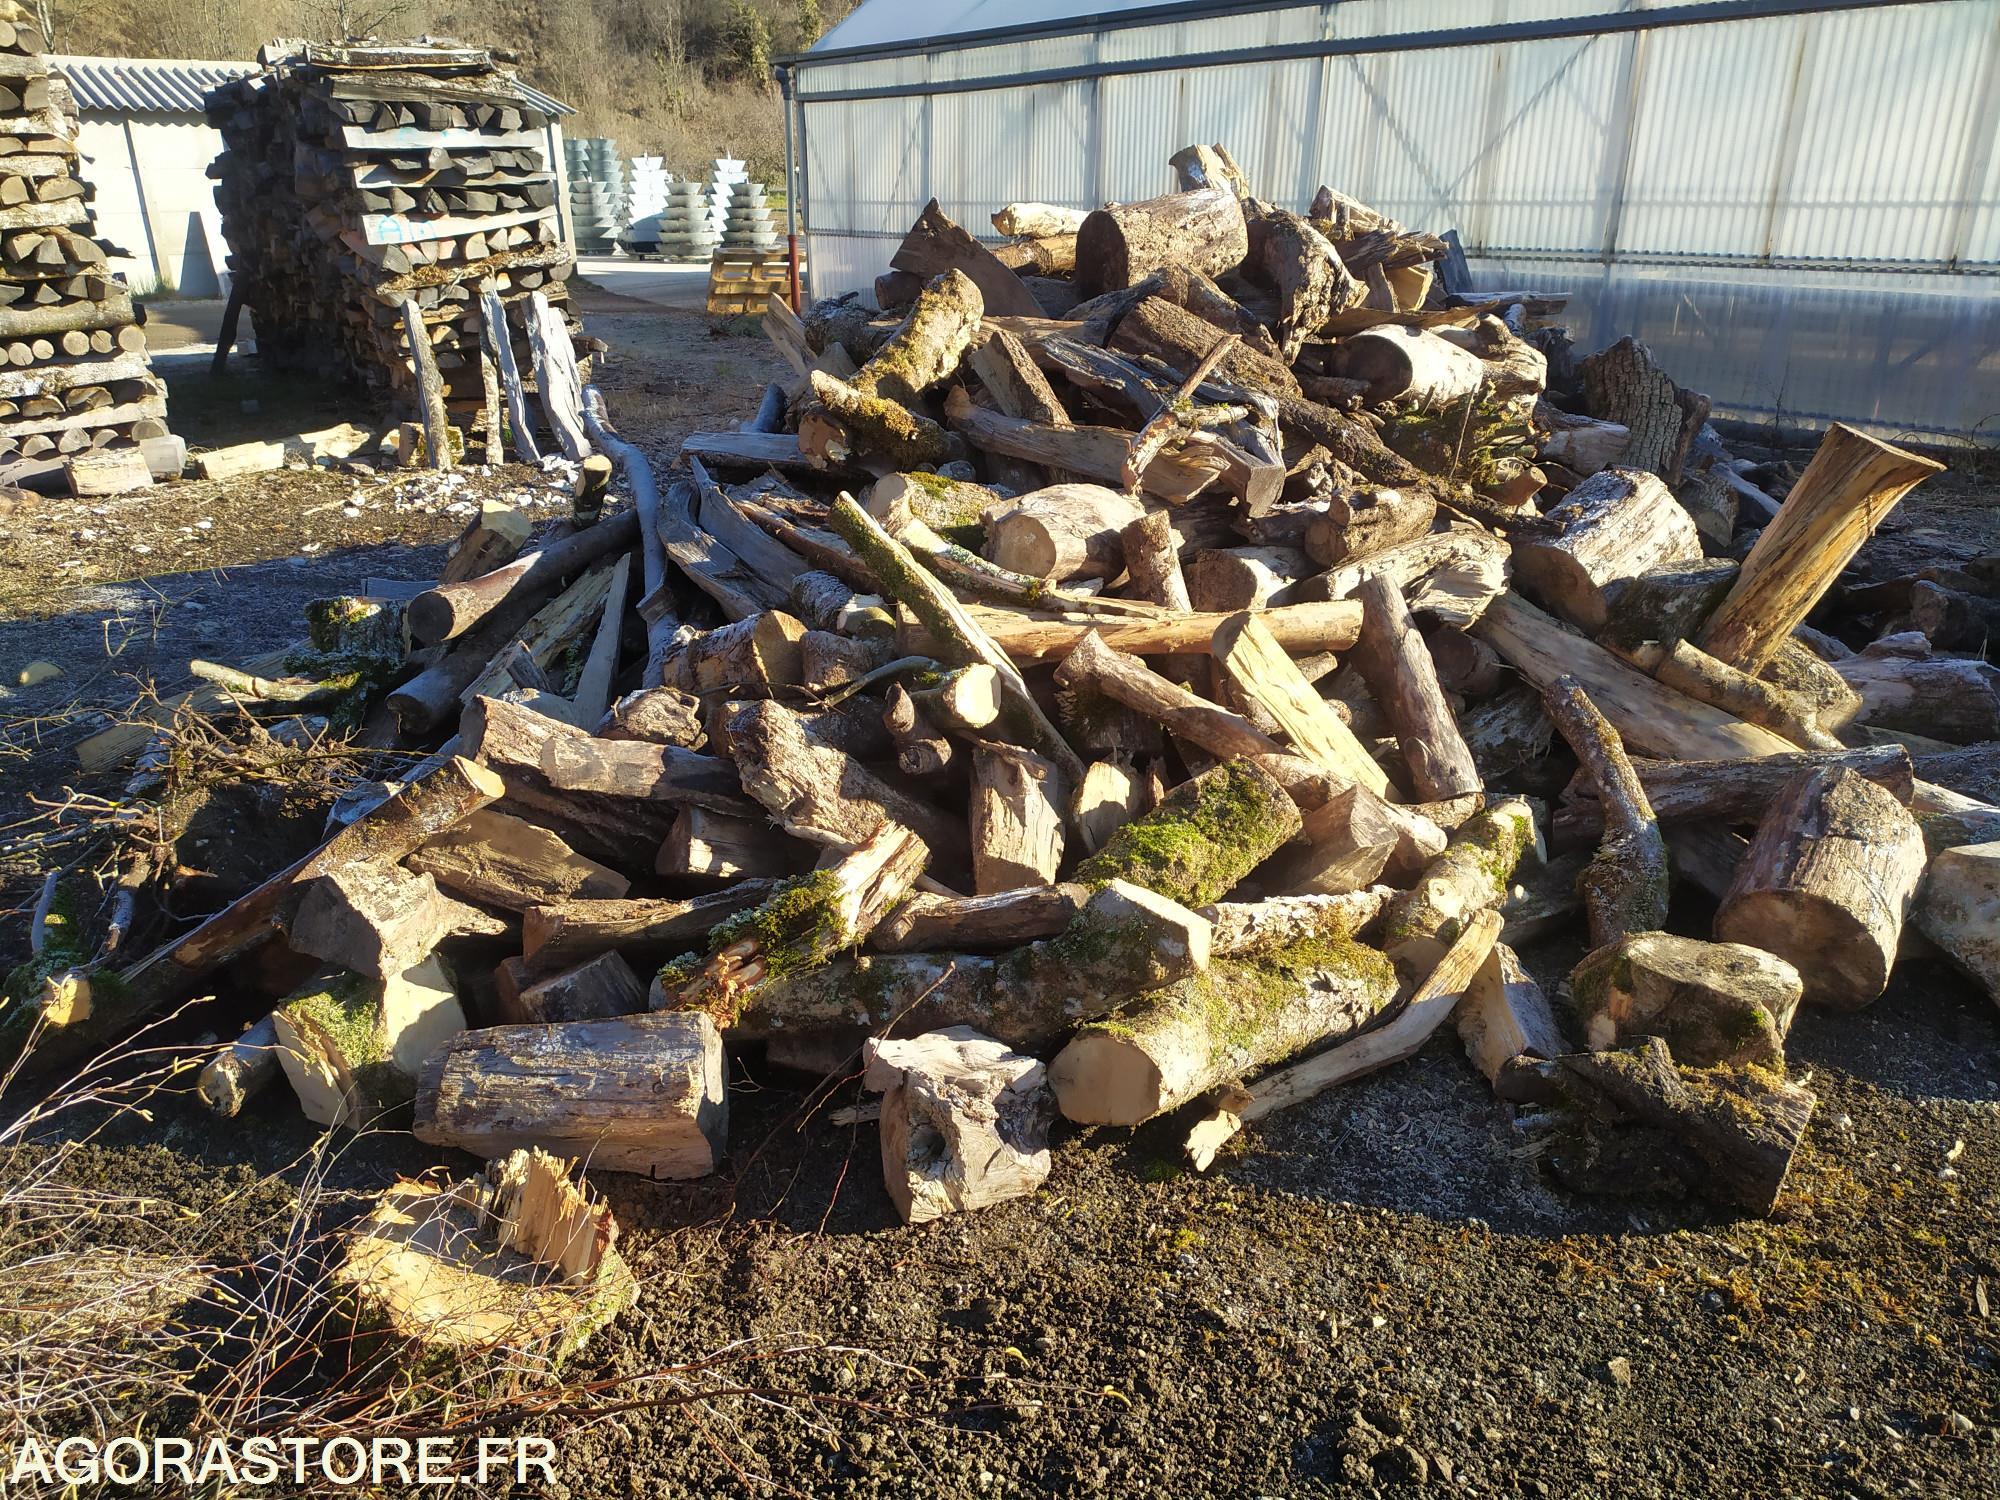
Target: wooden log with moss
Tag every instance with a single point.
(520, 1264)
(1711, 1002)
(1126, 940)
(353, 1046)
(928, 345)
(852, 424)
(242, 1070)
(1203, 838)
(804, 923)
(1246, 1013)
(640, 1094)
(1645, 1125)
(1473, 875)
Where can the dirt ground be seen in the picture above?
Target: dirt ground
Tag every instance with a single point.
(1377, 1289)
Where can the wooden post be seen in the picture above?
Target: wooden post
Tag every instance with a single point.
(498, 343)
(437, 425)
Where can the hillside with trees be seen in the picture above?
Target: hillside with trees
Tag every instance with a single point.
(687, 79)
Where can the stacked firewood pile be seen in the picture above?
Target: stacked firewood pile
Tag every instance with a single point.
(382, 204)
(74, 376)
(1167, 665)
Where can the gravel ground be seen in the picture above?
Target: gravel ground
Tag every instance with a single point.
(1379, 1288)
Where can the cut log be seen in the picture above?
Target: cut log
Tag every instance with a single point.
(592, 991)
(1652, 718)
(1362, 524)
(1019, 389)
(714, 847)
(1017, 821)
(1203, 838)
(353, 1047)
(1428, 1008)
(1738, 791)
(1712, 1003)
(751, 657)
(1852, 483)
(645, 931)
(965, 1121)
(1063, 532)
(657, 715)
(1307, 273)
(1505, 1018)
(1173, 1045)
(1203, 230)
(1125, 941)
(1959, 910)
(430, 389)
(1033, 220)
(1029, 640)
(1616, 525)
(1451, 576)
(927, 347)
(1690, 670)
(1625, 885)
(241, 1071)
(1224, 579)
(1262, 670)
(1622, 385)
(1208, 167)
(1827, 883)
(1157, 328)
(1727, 1133)
(1581, 444)
(1402, 678)
(856, 425)
(376, 920)
(532, 751)
(1903, 685)
(1955, 621)
(936, 245)
(1410, 366)
(640, 1094)
(500, 860)
(1473, 875)
(924, 922)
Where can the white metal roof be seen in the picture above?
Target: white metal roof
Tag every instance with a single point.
(146, 85)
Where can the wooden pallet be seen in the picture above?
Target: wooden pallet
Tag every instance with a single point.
(740, 280)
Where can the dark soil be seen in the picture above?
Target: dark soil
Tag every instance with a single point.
(1379, 1288)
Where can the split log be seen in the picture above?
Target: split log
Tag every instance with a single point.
(1959, 910)
(1208, 167)
(638, 1094)
(646, 931)
(1091, 453)
(1652, 718)
(1712, 1003)
(1203, 838)
(1428, 1008)
(965, 1121)
(1402, 678)
(1625, 885)
(1359, 525)
(556, 376)
(822, 795)
(924, 922)
(935, 245)
(1307, 273)
(1410, 366)
(492, 539)
(1471, 876)
(1063, 532)
(1852, 482)
(353, 1048)
(1451, 575)
(1622, 385)
(1465, 666)
(1616, 525)
(1029, 640)
(499, 860)
(1019, 389)
(1119, 245)
(709, 845)
(1159, 329)
(1017, 821)
(751, 657)
(241, 1070)
(658, 715)
(924, 351)
(1827, 883)
(1903, 685)
(1504, 1018)
(1262, 670)
(1125, 941)
(1727, 1133)
(592, 991)
(1153, 572)
(1224, 579)
(1173, 1045)
(1111, 795)
(531, 750)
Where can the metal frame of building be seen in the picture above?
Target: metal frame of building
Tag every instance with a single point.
(1795, 202)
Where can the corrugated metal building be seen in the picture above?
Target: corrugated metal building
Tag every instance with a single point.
(146, 145)
(1796, 203)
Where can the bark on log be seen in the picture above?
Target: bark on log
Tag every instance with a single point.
(930, 923)
(1224, 579)
(1623, 385)
(926, 349)
(353, 1047)
(1362, 524)
(710, 846)
(495, 858)
(1450, 575)
(965, 1121)
(1029, 640)
(1712, 1003)
(1617, 525)
(1203, 838)
(658, 715)
(1625, 885)
(561, 935)
(1119, 245)
(1738, 791)
(1311, 282)
(1031, 220)
(1173, 1045)
(1063, 532)
(1017, 821)
(1472, 875)
(1690, 670)
(1180, 339)
(533, 752)
(640, 1094)
(857, 425)
(1903, 686)
(241, 1070)
(1852, 482)
(751, 657)
(1827, 883)
(1505, 1018)
(1402, 678)
(599, 988)
(1410, 366)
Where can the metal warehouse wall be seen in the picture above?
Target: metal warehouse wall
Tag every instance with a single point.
(1797, 205)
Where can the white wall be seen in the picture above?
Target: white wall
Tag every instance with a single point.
(150, 172)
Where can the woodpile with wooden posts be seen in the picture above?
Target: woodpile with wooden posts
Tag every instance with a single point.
(1138, 675)
(78, 396)
(391, 216)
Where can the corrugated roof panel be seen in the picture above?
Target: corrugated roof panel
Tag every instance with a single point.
(1555, 122)
(145, 85)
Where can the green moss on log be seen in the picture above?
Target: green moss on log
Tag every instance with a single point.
(1203, 837)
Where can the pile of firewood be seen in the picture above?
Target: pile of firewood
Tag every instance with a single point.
(76, 386)
(391, 214)
(1166, 665)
